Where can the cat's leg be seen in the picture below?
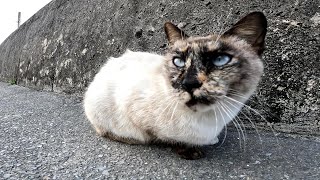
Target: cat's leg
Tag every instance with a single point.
(214, 141)
(184, 151)
(104, 133)
(189, 152)
(126, 140)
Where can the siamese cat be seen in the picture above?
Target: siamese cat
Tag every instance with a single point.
(185, 97)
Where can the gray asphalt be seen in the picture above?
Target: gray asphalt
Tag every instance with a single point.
(45, 135)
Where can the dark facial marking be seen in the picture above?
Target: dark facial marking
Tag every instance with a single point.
(200, 65)
(190, 81)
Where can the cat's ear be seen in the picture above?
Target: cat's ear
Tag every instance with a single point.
(173, 33)
(252, 28)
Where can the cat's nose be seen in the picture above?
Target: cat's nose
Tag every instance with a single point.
(191, 84)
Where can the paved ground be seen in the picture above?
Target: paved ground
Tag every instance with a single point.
(46, 136)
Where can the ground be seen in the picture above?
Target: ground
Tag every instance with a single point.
(45, 135)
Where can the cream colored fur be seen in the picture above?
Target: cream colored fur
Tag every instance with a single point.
(131, 96)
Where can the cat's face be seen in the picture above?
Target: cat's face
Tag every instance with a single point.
(206, 70)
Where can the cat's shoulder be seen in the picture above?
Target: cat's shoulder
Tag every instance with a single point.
(134, 61)
(141, 55)
(136, 58)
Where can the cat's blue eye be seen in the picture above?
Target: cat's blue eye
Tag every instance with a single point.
(221, 60)
(178, 62)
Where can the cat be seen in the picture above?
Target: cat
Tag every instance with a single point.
(185, 97)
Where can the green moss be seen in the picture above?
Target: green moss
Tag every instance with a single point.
(13, 82)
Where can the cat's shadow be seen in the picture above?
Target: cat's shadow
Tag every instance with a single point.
(228, 147)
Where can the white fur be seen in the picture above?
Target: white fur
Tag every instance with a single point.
(131, 95)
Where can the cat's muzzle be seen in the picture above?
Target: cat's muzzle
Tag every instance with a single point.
(198, 100)
(204, 96)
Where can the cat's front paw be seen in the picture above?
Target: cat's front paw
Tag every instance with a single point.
(214, 141)
(189, 153)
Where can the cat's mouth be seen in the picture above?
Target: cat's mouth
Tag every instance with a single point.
(198, 100)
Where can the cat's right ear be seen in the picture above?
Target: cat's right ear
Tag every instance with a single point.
(173, 33)
(252, 28)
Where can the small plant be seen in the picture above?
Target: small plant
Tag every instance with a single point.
(13, 82)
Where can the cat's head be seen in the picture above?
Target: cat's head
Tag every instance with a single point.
(206, 70)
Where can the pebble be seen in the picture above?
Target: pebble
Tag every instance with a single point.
(268, 154)
(7, 175)
(105, 172)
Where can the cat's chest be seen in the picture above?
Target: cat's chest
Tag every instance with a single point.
(193, 129)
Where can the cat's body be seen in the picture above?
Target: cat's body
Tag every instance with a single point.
(144, 107)
(186, 96)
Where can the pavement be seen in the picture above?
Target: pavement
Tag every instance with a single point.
(45, 135)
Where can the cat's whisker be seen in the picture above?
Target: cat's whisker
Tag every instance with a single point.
(260, 102)
(164, 109)
(256, 112)
(236, 93)
(236, 119)
(234, 122)
(219, 24)
(219, 21)
(238, 96)
(244, 133)
(238, 130)
(242, 130)
(174, 109)
(181, 34)
(252, 123)
(246, 106)
(223, 27)
(216, 121)
(234, 90)
(225, 126)
(242, 124)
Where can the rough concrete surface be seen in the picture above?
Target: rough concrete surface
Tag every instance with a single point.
(44, 135)
(62, 47)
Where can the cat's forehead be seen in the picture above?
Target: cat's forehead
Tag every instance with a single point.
(209, 43)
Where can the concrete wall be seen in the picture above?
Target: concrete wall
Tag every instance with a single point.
(62, 46)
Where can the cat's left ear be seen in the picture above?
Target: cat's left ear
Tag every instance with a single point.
(174, 33)
(253, 29)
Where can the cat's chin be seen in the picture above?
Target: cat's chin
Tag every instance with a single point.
(196, 104)
(202, 108)
(202, 105)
